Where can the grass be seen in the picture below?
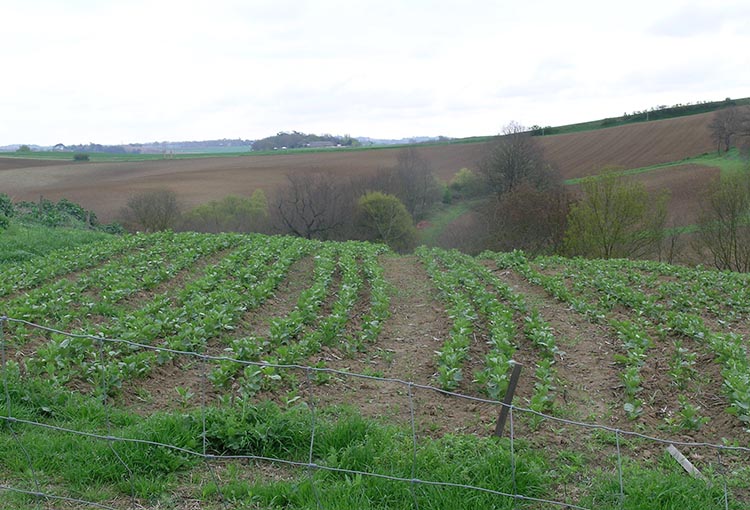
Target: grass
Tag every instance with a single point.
(730, 162)
(96, 469)
(440, 219)
(106, 471)
(21, 242)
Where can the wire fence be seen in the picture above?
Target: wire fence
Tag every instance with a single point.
(14, 424)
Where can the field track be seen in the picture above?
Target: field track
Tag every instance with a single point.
(105, 187)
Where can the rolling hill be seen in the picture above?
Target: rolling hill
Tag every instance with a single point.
(105, 187)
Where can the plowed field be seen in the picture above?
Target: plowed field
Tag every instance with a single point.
(631, 146)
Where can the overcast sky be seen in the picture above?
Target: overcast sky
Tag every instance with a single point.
(79, 71)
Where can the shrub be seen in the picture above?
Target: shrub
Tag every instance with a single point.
(230, 214)
(616, 218)
(384, 218)
(6, 206)
(79, 156)
(466, 184)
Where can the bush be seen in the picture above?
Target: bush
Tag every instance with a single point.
(230, 214)
(616, 218)
(466, 184)
(79, 156)
(384, 218)
(6, 206)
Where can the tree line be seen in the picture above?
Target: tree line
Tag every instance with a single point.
(316, 205)
(296, 140)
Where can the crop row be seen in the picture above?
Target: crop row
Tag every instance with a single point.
(98, 291)
(613, 285)
(723, 294)
(206, 308)
(303, 331)
(472, 291)
(26, 275)
(183, 320)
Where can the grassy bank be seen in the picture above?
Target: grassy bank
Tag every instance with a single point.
(345, 449)
(21, 242)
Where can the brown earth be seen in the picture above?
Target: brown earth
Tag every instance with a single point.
(687, 185)
(629, 146)
(105, 187)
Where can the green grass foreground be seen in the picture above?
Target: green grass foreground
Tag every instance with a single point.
(729, 163)
(93, 469)
(21, 242)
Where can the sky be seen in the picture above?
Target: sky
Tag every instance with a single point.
(111, 72)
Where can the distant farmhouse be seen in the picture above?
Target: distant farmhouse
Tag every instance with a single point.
(321, 145)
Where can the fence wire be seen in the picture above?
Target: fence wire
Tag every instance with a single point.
(309, 466)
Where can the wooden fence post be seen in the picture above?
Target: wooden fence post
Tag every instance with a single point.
(508, 399)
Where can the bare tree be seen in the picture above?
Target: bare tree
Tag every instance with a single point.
(313, 205)
(727, 124)
(152, 210)
(419, 189)
(528, 218)
(411, 180)
(724, 231)
(514, 157)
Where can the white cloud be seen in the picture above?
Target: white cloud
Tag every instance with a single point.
(121, 71)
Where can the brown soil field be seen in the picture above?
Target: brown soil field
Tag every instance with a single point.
(105, 187)
(687, 184)
(630, 146)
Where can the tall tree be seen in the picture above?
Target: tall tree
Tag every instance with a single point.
(313, 205)
(728, 123)
(724, 231)
(513, 158)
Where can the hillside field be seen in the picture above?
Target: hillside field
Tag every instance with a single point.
(193, 370)
(105, 187)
